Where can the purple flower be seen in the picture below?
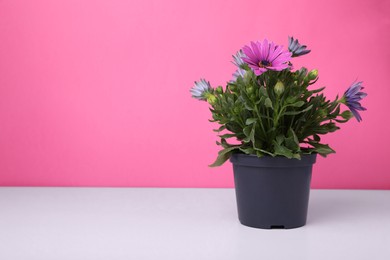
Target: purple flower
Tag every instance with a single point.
(296, 48)
(352, 97)
(266, 56)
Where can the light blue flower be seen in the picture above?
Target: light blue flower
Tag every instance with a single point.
(200, 89)
(237, 73)
(296, 48)
(352, 98)
(238, 58)
(239, 63)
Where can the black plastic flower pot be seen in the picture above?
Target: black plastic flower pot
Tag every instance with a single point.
(272, 192)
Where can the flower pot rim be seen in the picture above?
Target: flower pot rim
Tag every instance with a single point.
(252, 160)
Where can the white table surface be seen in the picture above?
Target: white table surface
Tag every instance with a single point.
(150, 223)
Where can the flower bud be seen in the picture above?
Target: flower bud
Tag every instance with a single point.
(210, 98)
(249, 89)
(219, 90)
(313, 74)
(233, 88)
(279, 88)
(346, 114)
(306, 81)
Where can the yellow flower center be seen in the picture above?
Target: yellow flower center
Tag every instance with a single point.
(264, 63)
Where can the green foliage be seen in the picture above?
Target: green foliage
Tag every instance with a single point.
(263, 121)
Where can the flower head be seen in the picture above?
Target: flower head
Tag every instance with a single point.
(238, 58)
(279, 88)
(239, 72)
(201, 89)
(263, 56)
(352, 97)
(296, 48)
(238, 62)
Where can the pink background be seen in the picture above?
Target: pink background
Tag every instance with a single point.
(96, 93)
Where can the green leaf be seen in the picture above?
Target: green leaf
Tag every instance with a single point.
(317, 90)
(263, 91)
(248, 150)
(326, 128)
(225, 144)
(336, 111)
(250, 121)
(341, 120)
(292, 141)
(283, 151)
(233, 127)
(264, 151)
(297, 104)
(225, 136)
(221, 159)
(295, 137)
(291, 113)
(249, 132)
(228, 150)
(260, 100)
(297, 156)
(246, 101)
(291, 99)
(279, 139)
(322, 149)
(223, 156)
(259, 154)
(314, 81)
(220, 129)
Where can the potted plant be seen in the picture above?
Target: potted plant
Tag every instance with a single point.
(271, 123)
